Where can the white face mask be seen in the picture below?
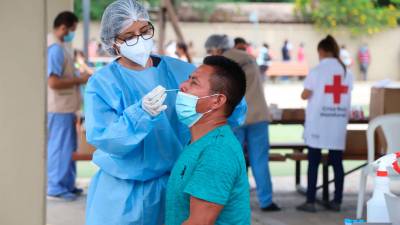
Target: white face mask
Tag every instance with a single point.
(138, 53)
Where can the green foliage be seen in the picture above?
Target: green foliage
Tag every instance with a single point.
(360, 16)
(97, 6)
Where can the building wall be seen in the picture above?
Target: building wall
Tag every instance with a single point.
(384, 47)
(22, 114)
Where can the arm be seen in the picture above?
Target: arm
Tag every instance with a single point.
(309, 85)
(55, 64)
(113, 132)
(55, 82)
(202, 212)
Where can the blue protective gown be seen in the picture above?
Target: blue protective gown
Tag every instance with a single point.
(135, 152)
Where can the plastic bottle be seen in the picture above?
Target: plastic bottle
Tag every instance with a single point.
(377, 211)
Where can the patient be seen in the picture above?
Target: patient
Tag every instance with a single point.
(208, 184)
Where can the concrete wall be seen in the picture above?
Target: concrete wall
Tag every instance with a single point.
(384, 47)
(22, 114)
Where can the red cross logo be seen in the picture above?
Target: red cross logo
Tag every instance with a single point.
(337, 89)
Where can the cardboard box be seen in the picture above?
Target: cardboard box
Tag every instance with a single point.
(384, 101)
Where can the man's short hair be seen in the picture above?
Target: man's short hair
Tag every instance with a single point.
(240, 40)
(66, 18)
(228, 79)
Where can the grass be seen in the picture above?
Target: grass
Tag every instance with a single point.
(278, 133)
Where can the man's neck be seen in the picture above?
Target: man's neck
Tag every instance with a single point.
(205, 125)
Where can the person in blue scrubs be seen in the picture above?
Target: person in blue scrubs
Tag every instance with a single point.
(131, 120)
(63, 100)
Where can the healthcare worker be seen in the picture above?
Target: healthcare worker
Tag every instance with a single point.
(63, 100)
(328, 91)
(131, 120)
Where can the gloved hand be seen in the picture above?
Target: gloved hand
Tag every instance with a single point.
(153, 102)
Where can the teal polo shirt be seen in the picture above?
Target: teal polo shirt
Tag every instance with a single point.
(212, 169)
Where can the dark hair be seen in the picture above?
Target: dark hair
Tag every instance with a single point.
(239, 40)
(184, 47)
(228, 79)
(66, 18)
(329, 44)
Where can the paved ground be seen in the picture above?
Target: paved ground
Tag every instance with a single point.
(73, 213)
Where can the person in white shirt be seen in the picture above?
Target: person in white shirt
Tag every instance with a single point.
(345, 56)
(328, 91)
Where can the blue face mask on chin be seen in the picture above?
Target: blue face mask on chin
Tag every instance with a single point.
(186, 108)
(69, 37)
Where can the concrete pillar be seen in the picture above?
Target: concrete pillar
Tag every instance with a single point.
(22, 114)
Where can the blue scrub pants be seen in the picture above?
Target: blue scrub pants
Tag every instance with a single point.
(335, 158)
(62, 142)
(256, 137)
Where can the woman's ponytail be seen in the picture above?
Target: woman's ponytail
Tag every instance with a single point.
(329, 44)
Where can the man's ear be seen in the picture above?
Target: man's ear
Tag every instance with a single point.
(220, 101)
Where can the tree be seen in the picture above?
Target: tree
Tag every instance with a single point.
(360, 16)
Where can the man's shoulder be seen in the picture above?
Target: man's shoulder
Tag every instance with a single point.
(55, 49)
(224, 146)
(240, 54)
(241, 57)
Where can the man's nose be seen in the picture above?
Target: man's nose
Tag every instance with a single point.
(183, 87)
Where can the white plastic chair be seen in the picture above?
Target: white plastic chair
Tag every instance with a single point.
(390, 125)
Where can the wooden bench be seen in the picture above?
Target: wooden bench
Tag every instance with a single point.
(290, 68)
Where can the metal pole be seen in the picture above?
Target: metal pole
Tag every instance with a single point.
(174, 20)
(162, 26)
(86, 23)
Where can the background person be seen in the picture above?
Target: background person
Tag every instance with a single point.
(63, 101)
(345, 56)
(286, 51)
(264, 60)
(328, 91)
(300, 53)
(364, 58)
(182, 52)
(241, 44)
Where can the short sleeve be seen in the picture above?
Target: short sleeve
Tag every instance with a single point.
(214, 177)
(55, 60)
(310, 81)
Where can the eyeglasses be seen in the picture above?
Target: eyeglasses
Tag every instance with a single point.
(147, 32)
